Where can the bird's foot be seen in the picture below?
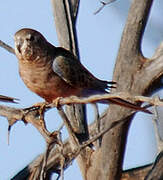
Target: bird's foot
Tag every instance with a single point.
(41, 110)
(56, 102)
(40, 107)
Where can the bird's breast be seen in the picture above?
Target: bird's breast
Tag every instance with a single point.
(43, 81)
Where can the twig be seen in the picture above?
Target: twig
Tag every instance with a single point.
(62, 159)
(97, 120)
(77, 151)
(54, 158)
(15, 114)
(61, 127)
(157, 133)
(103, 5)
(62, 162)
(98, 98)
(103, 132)
(68, 126)
(7, 47)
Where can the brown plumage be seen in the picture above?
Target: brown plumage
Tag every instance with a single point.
(53, 72)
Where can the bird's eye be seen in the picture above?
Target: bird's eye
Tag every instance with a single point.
(31, 38)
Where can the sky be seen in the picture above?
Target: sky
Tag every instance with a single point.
(99, 37)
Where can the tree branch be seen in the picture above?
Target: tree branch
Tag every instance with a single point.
(7, 47)
(157, 170)
(15, 114)
(53, 163)
(103, 5)
(97, 98)
(136, 173)
(65, 15)
(130, 62)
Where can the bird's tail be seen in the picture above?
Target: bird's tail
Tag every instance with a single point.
(104, 86)
(127, 104)
(98, 87)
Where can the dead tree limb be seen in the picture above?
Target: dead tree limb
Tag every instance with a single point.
(132, 75)
(7, 47)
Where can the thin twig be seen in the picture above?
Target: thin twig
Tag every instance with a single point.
(102, 132)
(71, 154)
(62, 161)
(98, 98)
(97, 120)
(15, 114)
(103, 5)
(7, 47)
(93, 139)
(60, 127)
(65, 119)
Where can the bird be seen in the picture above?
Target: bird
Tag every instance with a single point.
(52, 72)
(8, 99)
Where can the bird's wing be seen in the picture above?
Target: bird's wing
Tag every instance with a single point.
(72, 71)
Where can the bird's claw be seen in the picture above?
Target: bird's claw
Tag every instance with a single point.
(40, 107)
(56, 102)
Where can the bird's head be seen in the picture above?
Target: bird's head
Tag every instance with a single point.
(29, 44)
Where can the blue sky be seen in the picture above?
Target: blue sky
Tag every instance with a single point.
(99, 36)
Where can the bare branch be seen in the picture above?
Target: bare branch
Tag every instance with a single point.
(54, 158)
(14, 114)
(136, 173)
(65, 15)
(97, 98)
(53, 163)
(73, 138)
(7, 47)
(157, 170)
(129, 64)
(103, 5)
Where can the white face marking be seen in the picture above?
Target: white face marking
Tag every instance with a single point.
(30, 45)
(17, 45)
(23, 47)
